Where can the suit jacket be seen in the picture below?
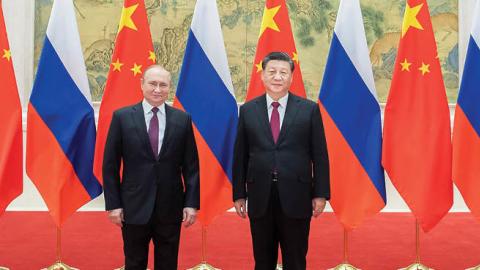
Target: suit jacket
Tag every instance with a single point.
(299, 157)
(143, 174)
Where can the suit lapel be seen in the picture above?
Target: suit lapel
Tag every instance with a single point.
(169, 129)
(290, 114)
(139, 119)
(262, 111)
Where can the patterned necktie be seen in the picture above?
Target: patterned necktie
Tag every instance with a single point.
(275, 121)
(153, 131)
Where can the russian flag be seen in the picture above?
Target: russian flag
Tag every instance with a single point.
(61, 122)
(466, 127)
(352, 119)
(205, 90)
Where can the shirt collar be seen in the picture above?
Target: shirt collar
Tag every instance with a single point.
(147, 108)
(283, 101)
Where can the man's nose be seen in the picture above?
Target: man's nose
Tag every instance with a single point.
(277, 76)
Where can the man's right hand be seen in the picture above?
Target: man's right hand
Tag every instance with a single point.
(241, 207)
(116, 216)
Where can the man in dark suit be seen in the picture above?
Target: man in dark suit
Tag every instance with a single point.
(280, 167)
(150, 146)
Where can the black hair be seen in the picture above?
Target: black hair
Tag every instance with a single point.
(281, 56)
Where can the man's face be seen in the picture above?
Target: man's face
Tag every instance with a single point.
(277, 77)
(156, 86)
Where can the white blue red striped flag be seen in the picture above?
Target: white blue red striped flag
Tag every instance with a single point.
(466, 128)
(61, 121)
(205, 90)
(352, 119)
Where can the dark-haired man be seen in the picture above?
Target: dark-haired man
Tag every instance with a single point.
(150, 147)
(280, 167)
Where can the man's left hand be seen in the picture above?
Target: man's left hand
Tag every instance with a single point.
(189, 216)
(318, 205)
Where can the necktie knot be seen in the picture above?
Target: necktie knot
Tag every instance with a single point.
(155, 110)
(275, 104)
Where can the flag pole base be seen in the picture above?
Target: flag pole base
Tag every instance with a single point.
(344, 266)
(416, 266)
(59, 266)
(203, 266)
(279, 266)
(473, 268)
(5, 268)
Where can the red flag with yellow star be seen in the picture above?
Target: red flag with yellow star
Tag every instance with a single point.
(417, 151)
(133, 53)
(11, 145)
(275, 35)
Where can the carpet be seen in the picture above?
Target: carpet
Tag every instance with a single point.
(386, 241)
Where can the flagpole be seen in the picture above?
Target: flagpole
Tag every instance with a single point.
(279, 263)
(417, 265)
(4, 268)
(345, 265)
(203, 265)
(59, 265)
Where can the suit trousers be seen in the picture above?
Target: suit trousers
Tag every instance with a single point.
(276, 228)
(165, 235)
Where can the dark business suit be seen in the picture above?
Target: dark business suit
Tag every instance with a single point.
(298, 161)
(151, 191)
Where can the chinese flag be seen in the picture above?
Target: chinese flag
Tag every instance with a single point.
(11, 151)
(275, 35)
(417, 151)
(133, 53)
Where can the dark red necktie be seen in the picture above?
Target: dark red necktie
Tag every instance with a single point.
(153, 131)
(275, 121)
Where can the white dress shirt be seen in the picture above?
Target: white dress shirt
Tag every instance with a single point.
(162, 120)
(281, 109)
